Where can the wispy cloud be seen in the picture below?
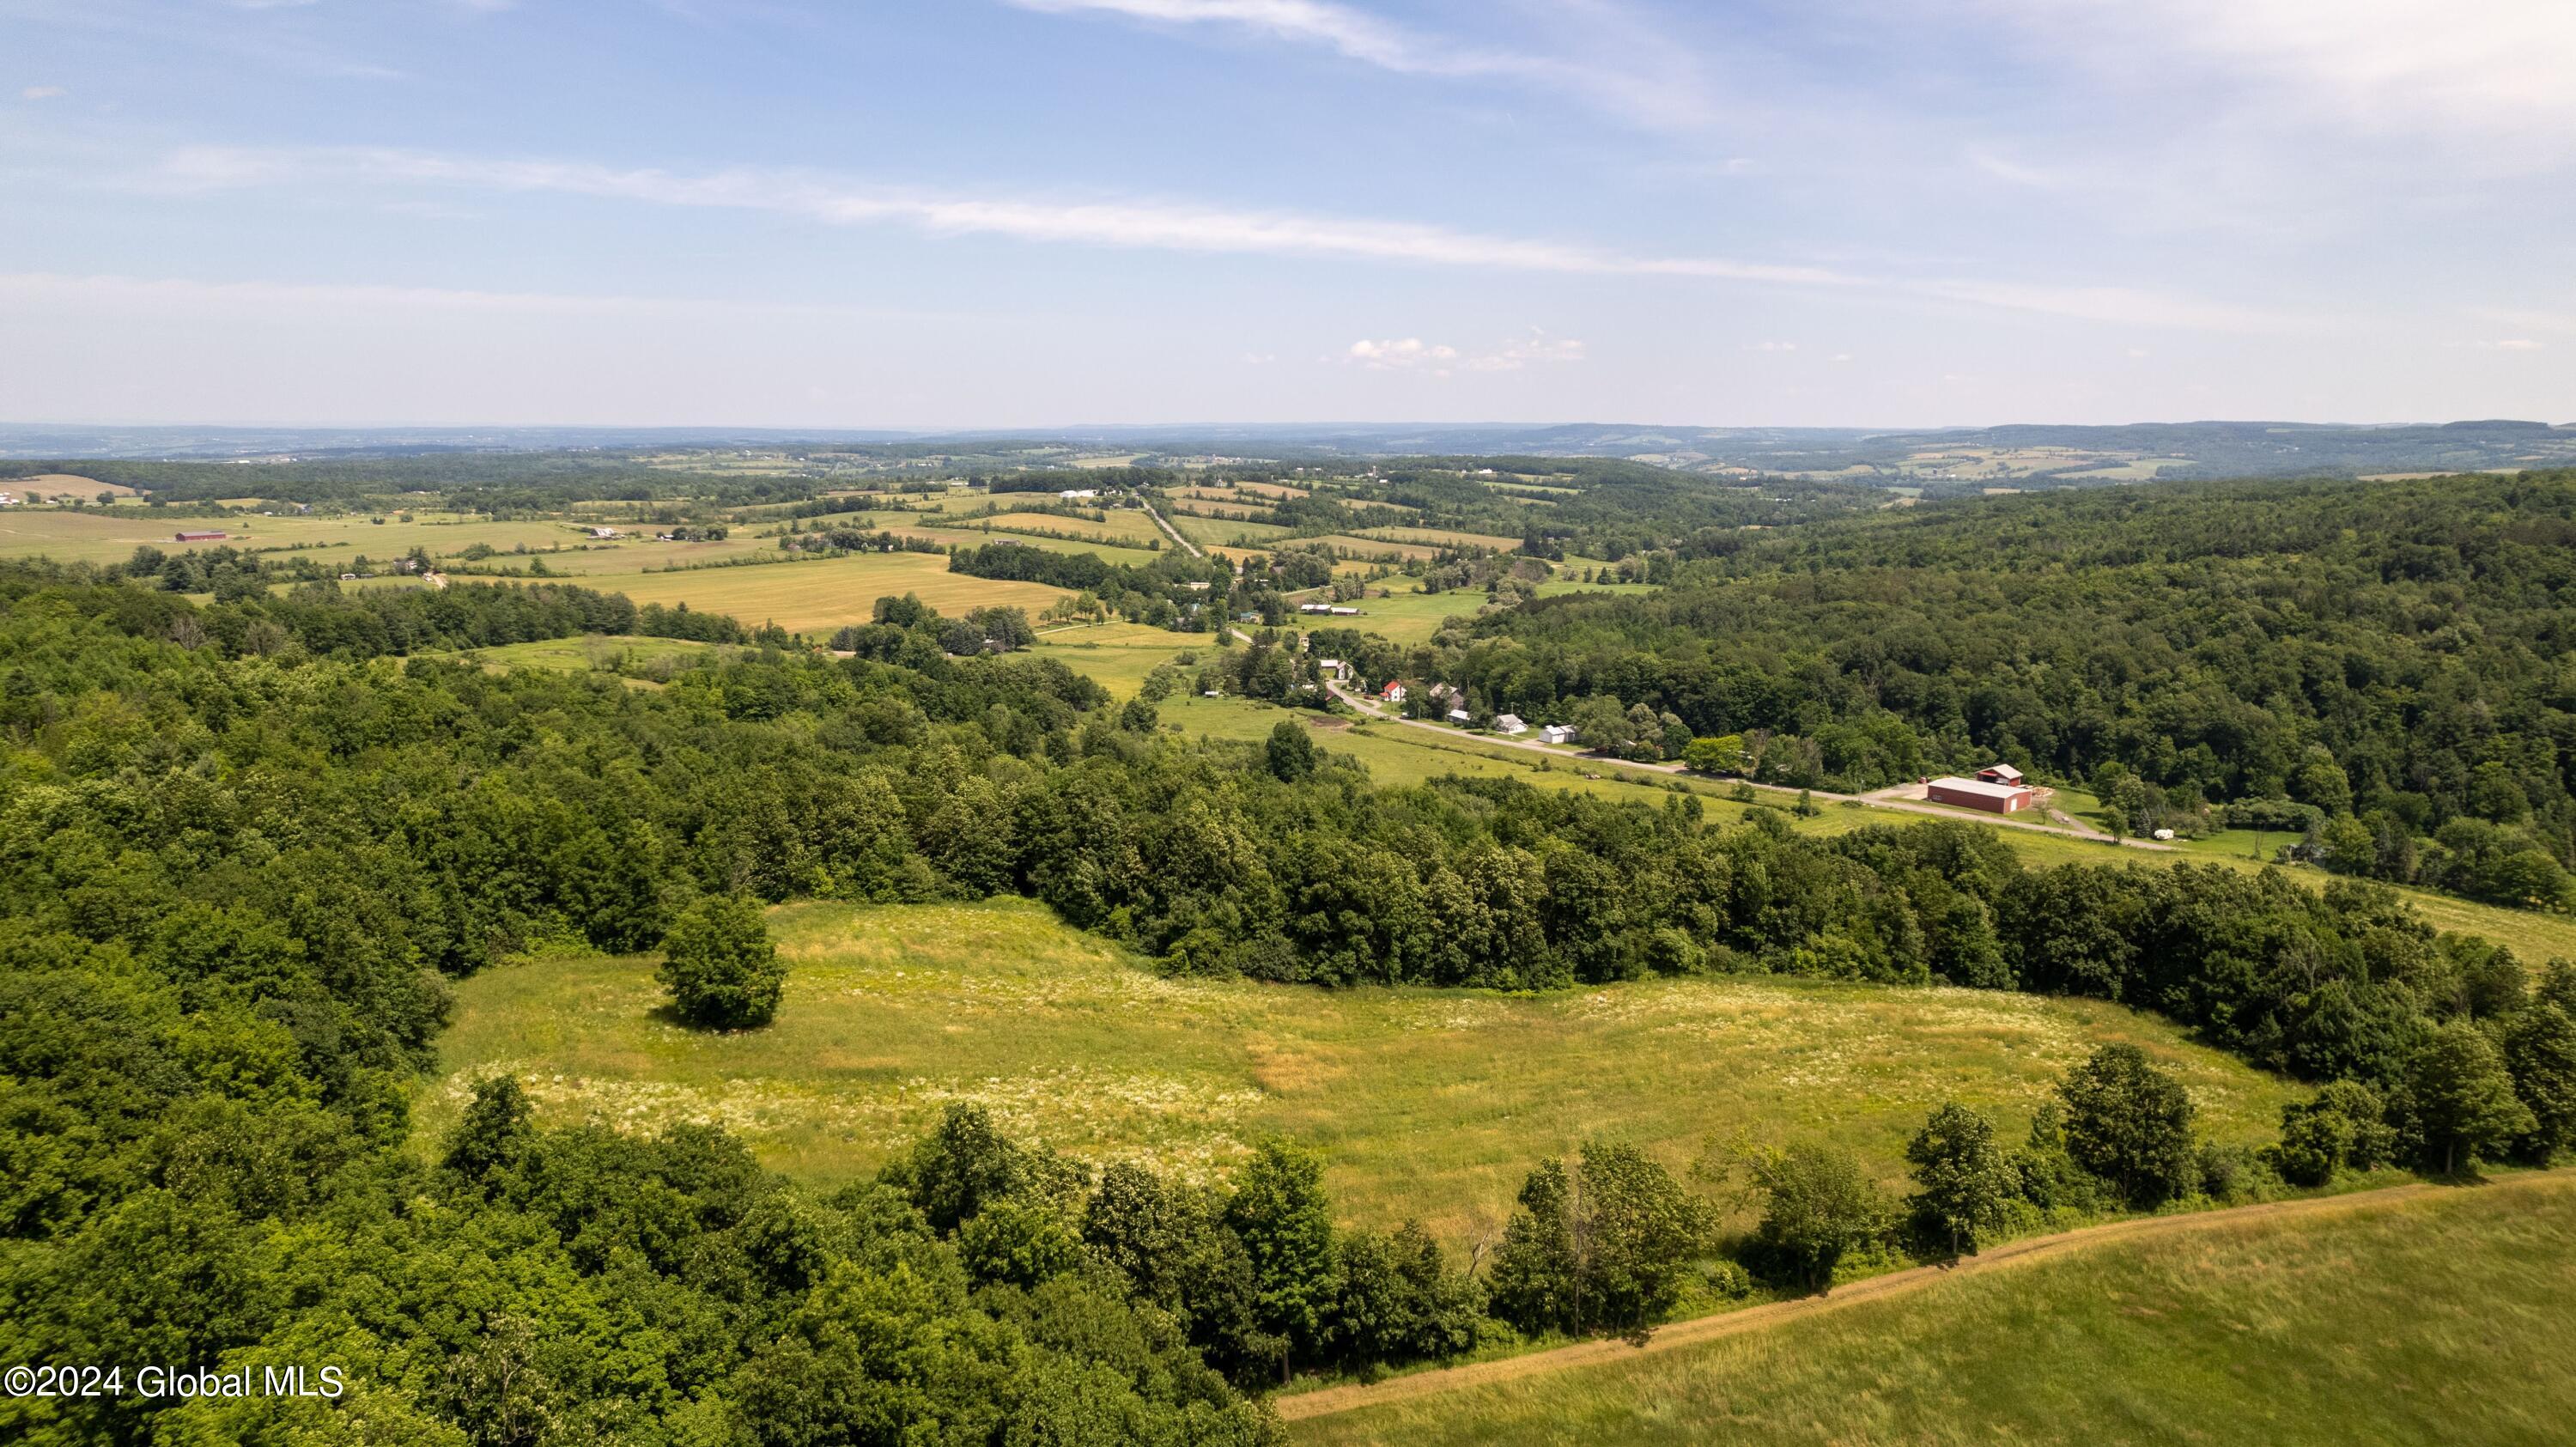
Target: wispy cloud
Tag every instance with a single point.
(1148, 225)
(110, 295)
(42, 92)
(1143, 224)
(1656, 86)
(2490, 66)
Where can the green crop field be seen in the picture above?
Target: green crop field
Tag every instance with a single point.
(1126, 526)
(828, 593)
(2446, 1317)
(1426, 1103)
(1442, 538)
(1211, 532)
(1406, 617)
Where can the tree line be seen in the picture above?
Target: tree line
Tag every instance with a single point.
(2392, 656)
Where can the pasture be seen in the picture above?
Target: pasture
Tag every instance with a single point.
(1125, 526)
(93, 535)
(1117, 656)
(1426, 1103)
(2442, 1317)
(820, 596)
(1406, 617)
(1443, 538)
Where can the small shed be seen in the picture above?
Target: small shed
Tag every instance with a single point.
(1509, 723)
(1557, 734)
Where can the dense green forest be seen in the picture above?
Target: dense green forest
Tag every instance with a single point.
(2395, 661)
(246, 844)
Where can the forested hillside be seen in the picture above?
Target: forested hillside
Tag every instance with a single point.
(2396, 660)
(243, 846)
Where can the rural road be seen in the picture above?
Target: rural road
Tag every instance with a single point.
(1169, 531)
(1879, 799)
(1331, 1400)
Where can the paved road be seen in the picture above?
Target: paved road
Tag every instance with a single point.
(1331, 1400)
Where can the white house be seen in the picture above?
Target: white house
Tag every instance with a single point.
(1457, 715)
(1394, 693)
(1556, 734)
(603, 532)
(1509, 723)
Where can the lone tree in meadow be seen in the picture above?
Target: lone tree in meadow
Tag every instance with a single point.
(719, 966)
(1968, 1184)
(2130, 1124)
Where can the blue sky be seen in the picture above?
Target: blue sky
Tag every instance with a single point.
(1051, 212)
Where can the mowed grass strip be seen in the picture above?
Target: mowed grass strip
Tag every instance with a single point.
(2445, 1317)
(1426, 1103)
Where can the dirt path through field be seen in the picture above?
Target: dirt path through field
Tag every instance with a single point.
(1756, 1318)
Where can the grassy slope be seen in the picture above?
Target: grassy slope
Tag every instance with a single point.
(1428, 1103)
(820, 596)
(2447, 1318)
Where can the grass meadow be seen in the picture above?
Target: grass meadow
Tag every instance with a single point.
(1426, 1103)
(594, 651)
(1117, 656)
(2446, 1317)
(824, 595)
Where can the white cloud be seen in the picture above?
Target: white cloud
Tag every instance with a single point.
(1397, 355)
(1142, 224)
(1662, 89)
(1148, 224)
(251, 301)
(2479, 65)
(1770, 346)
(1412, 354)
(43, 92)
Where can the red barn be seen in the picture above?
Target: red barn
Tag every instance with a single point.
(1979, 794)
